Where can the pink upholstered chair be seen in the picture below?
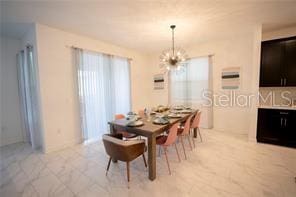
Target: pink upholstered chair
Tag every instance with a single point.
(165, 141)
(125, 134)
(185, 132)
(195, 125)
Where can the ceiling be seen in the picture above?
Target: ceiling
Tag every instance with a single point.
(144, 25)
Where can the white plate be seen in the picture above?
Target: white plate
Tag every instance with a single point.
(135, 123)
(174, 116)
(186, 111)
(160, 121)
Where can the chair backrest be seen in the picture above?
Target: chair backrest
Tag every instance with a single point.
(187, 125)
(119, 116)
(196, 120)
(123, 150)
(172, 137)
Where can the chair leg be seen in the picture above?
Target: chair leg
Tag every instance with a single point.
(159, 151)
(193, 142)
(144, 160)
(183, 146)
(188, 137)
(177, 152)
(199, 134)
(128, 171)
(109, 162)
(193, 139)
(166, 157)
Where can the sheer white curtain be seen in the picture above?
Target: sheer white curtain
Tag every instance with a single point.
(29, 97)
(104, 90)
(187, 87)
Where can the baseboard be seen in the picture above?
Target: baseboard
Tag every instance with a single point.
(62, 146)
(254, 140)
(231, 131)
(9, 142)
(92, 140)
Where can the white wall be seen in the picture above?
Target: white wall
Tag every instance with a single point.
(254, 81)
(59, 105)
(279, 33)
(10, 119)
(58, 89)
(244, 51)
(238, 51)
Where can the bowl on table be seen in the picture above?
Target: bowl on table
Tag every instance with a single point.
(133, 117)
(161, 109)
(178, 108)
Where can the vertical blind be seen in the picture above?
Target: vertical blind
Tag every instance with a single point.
(29, 97)
(187, 86)
(104, 90)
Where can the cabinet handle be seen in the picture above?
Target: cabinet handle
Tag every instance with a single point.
(285, 82)
(281, 81)
(285, 122)
(284, 113)
(281, 122)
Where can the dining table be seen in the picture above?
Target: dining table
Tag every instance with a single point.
(150, 130)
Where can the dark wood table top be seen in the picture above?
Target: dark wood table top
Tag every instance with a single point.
(149, 128)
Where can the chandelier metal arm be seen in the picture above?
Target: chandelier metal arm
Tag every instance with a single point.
(173, 39)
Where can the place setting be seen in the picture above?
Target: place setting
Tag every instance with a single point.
(134, 120)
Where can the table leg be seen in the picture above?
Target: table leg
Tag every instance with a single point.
(195, 132)
(113, 131)
(152, 157)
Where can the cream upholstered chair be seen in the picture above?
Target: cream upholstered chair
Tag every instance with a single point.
(121, 150)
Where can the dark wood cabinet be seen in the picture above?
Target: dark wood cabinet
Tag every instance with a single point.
(271, 60)
(290, 63)
(278, 63)
(277, 127)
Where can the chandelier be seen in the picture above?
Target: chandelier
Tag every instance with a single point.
(173, 59)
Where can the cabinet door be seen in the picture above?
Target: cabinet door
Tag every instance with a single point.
(290, 63)
(277, 127)
(290, 129)
(271, 64)
(269, 126)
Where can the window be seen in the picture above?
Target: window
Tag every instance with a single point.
(104, 90)
(186, 87)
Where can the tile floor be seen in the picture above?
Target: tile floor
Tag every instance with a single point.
(222, 165)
